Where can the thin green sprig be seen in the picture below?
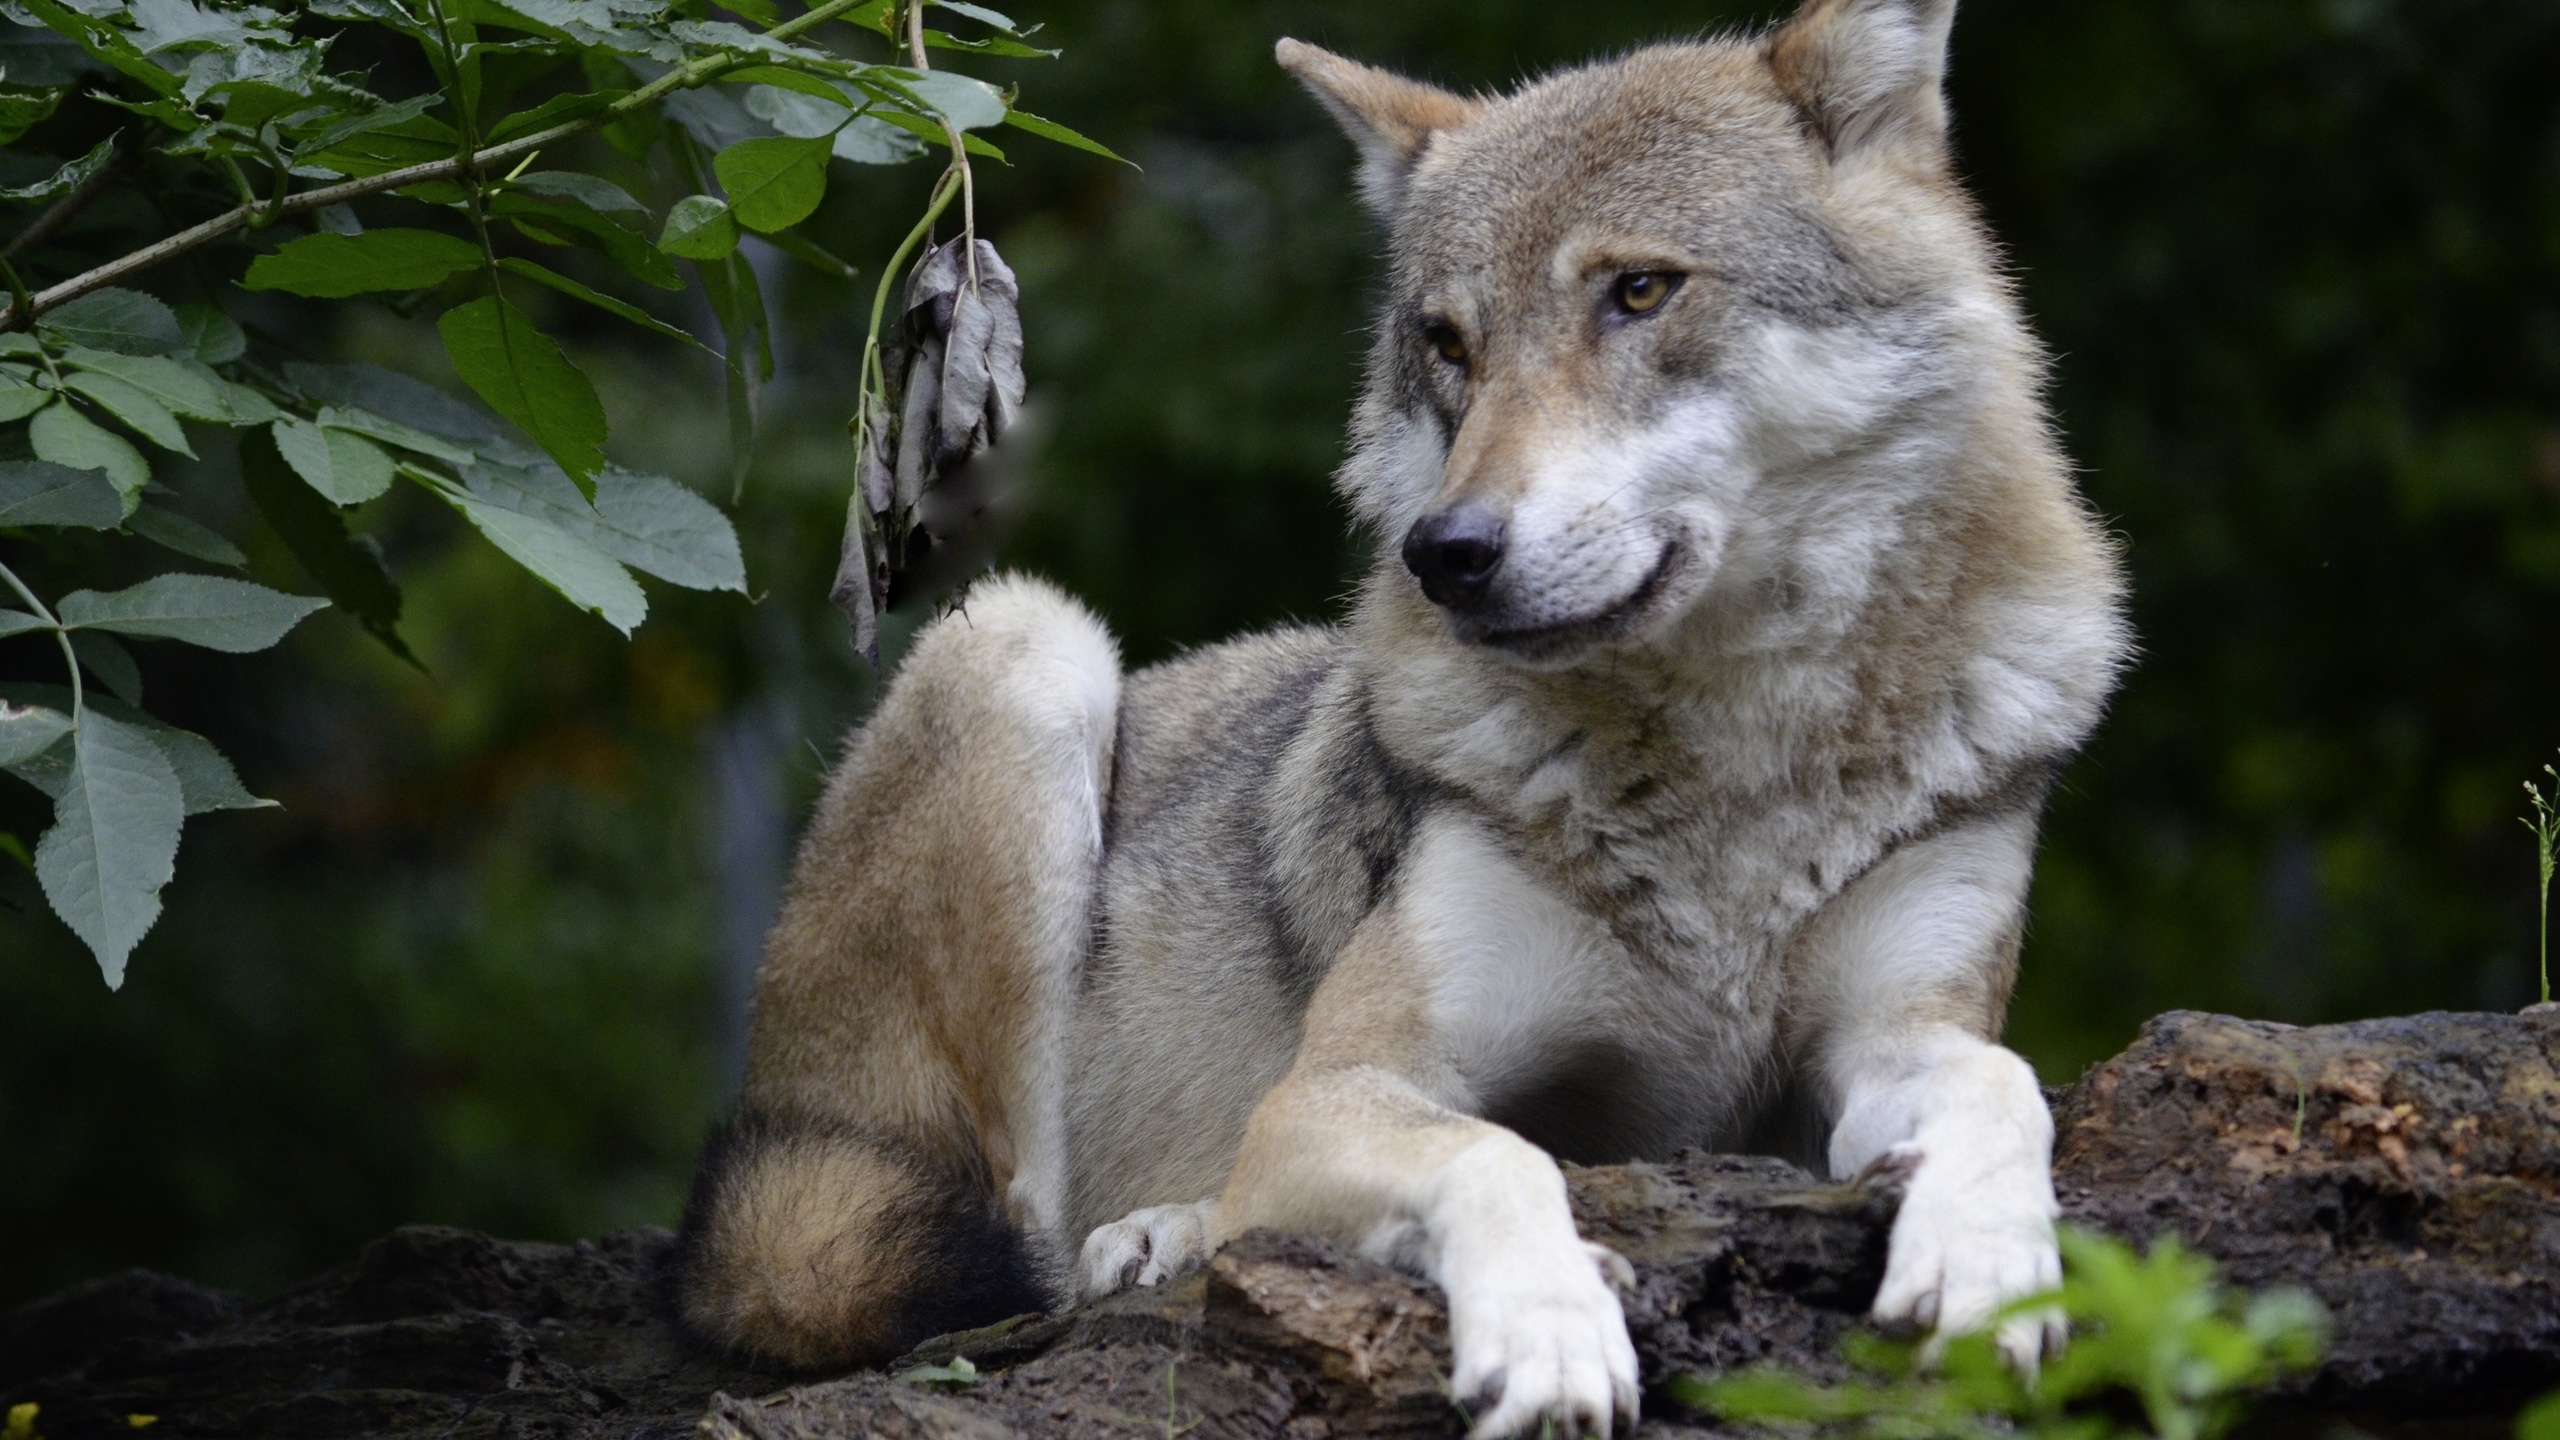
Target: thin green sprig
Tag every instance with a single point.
(2544, 822)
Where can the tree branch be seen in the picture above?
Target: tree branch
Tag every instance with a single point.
(699, 72)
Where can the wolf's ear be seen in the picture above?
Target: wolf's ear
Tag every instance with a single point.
(1867, 73)
(1390, 118)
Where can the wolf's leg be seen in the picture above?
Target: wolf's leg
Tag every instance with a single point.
(1361, 1141)
(1904, 980)
(897, 1163)
(1147, 1247)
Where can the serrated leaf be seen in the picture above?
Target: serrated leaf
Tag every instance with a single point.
(1052, 130)
(346, 468)
(399, 397)
(18, 622)
(18, 399)
(593, 191)
(606, 303)
(64, 436)
(104, 657)
(523, 376)
(22, 109)
(148, 417)
(175, 531)
(114, 841)
(36, 492)
(965, 101)
(205, 778)
(647, 522)
(209, 610)
(554, 223)
(393, 433)
(176, 388)
(27, 731)
(213, 337)
(779, 78)
(350, 126)
(774, 182)
(558, 110)
(699, 227)
(126, 321)
(247, 406)
(67, 179)
(336, 266)
(585, 576)
(348, 572)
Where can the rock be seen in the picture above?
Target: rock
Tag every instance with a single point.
(2406, 1171)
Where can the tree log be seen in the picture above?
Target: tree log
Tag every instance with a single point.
(2406, 1171)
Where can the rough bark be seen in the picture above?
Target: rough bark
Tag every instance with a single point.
(2406, 1171)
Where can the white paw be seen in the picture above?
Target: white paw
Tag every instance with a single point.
(1968, 1241)
(1146, 1247)
(1541, 1339)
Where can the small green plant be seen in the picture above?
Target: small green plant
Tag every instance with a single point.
(2544, 822)
(960, 1374)
(2156, 1330)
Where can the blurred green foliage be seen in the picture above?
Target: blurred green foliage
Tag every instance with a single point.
(2299, 262)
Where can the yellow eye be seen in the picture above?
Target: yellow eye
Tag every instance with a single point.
(1642, 290)
(1446, 341)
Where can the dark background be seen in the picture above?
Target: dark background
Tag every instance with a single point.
(2299, 263)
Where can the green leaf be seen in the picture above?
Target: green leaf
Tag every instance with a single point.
(64, 436)
(808, 252)
(593, 191)
(247, 406)
(968, 102)
(67, 179)
(209, 610)
(774, 182)
(27, 731)
(212, 336)
(176, 532)
(126, 321)
(793, 80)
(647, 522)
(347, 468)
(1052, 130)
(350, 126)
(981, 14)
(524, 377)
(393, 433)
(102, 656)
(399, 397)
(336, 266)
(114, 841)
(699, 227)
(388, 147)
(18, 399)
(22, 110)
(585, 576)
(174, 385)
(205, 779)
(18, 622)
(606, 303)
(147, 416)
(928, 130)
(348, 571)
(554, 223)
(2541, 1419)
(34, 492)
(762, 12)
(558, 110)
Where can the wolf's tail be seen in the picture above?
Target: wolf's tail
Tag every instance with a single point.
(812, 1244)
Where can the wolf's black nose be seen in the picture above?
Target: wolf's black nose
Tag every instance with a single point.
(1454, 553)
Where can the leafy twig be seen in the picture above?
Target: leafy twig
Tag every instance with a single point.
(697, 73)
(2544, 822)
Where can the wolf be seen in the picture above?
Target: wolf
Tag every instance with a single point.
(1673, 780)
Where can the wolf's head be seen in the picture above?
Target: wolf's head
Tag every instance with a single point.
(1696, 328)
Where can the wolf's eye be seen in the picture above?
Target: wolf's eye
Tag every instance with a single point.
(1445, 340)
(1642, 290)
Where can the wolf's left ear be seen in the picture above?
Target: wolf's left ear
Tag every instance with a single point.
(1390, 118)
(1868, 73)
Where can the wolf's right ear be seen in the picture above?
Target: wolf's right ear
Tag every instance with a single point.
(1390, 118)
(1867, 73)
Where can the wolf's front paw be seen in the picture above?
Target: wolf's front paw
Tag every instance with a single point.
(1967, 1243)
(1146, 1247)
(1541, 1338)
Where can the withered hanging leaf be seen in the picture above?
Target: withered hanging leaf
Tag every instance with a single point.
(952, 365)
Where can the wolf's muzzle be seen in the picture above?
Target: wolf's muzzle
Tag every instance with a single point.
(1454, 553)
